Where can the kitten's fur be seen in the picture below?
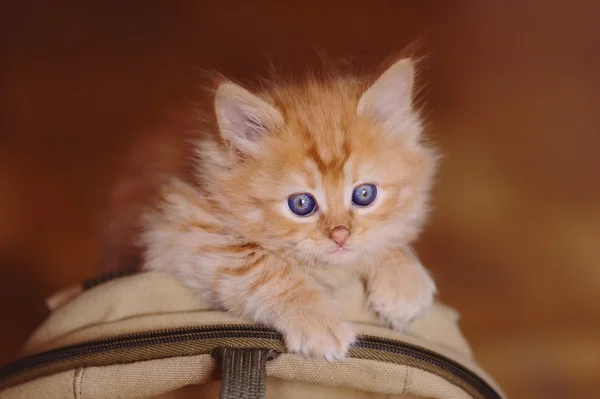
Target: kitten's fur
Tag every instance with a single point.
(231, 237)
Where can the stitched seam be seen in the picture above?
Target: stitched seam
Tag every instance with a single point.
(405, 387)
(81, 384)
(77, 383)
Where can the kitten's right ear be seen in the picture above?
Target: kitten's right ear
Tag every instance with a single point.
(244, 117)
(389, 99)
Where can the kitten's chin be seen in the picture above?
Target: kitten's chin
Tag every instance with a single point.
(340, 257)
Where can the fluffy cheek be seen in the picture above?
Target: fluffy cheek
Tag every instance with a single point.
(409, 223)
(390, 224)
(273, 228)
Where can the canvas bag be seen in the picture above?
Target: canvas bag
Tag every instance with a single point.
(147, 336)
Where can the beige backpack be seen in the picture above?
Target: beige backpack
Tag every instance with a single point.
(147, 336)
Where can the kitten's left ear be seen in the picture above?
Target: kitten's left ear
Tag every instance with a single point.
(244, 117)
(389, 100)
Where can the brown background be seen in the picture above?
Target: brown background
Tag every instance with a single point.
(512, 99)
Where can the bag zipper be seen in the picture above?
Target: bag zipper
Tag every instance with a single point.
(200, 340)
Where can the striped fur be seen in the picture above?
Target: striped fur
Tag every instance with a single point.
(230, 236)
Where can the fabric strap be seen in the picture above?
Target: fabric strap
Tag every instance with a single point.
(243, 372)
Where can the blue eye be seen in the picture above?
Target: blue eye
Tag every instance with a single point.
(364, 195)
(302, 204)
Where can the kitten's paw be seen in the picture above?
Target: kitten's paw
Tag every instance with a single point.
(319, 335)
(399, 304)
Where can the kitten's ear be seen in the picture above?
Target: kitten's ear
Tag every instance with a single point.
(243, 117)
(389, 99)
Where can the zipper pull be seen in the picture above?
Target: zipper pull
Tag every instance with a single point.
(243, 371)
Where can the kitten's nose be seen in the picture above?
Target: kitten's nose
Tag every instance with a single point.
(339, 235)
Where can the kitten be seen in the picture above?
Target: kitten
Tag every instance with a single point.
(303, 187)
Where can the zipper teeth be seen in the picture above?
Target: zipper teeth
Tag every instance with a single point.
(187, 334)
(426, 355)
(167, 336)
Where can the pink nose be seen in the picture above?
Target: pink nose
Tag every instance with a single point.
(339, 235)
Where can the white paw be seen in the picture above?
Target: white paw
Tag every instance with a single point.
(403, 304)
(318, 334)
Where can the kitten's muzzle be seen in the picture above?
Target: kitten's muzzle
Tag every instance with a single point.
(339, 235)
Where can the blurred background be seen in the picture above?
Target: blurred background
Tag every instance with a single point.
(512, 95)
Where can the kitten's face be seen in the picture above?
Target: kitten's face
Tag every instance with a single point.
(329, 182)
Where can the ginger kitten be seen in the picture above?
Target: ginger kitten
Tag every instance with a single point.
(303, 187)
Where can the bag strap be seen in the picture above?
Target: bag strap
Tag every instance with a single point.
(243, 372)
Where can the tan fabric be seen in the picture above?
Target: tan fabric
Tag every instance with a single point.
(281, 389)
(57, 386)
(153, 293)
(365, 375)
(145, 379)
(153, 301)
(62, 297)
(293, 375)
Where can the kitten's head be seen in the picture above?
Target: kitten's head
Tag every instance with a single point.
(326, 170)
